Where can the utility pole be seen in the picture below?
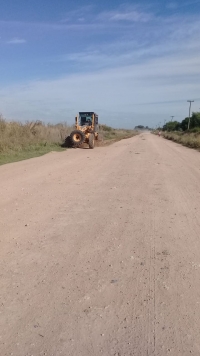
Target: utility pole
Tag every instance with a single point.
(172, 118)
(189, 101)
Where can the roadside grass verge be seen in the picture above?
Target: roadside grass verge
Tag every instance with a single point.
(29, 152)
(188, 139)
(19, 141)
(22, 141)
(111, 135)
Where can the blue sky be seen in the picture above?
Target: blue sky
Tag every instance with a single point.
(134, 62)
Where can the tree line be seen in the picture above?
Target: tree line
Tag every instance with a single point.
(141, 127)
(183, 125)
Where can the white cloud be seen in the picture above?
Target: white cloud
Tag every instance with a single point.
(143, 73)
(125, 13)
(176, 36)
(122, 96)
(122, 13)
(16, 41)
(134, 16)
(175, 5)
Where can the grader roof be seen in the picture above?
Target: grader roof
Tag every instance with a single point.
(87, 113)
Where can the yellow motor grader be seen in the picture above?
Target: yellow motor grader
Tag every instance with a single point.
(87, 129)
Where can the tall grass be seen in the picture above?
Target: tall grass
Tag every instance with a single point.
(110, 134)
(15, 136)
(20, 141)
(189, 139)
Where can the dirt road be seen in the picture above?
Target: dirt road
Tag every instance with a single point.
(100, 252)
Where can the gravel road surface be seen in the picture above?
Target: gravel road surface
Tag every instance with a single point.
(100, 252)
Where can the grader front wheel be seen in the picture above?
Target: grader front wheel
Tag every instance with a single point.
(77, 137)
(91, 141)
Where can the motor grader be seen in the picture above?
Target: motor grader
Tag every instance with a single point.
(87, 130)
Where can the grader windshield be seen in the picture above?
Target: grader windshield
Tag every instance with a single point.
(85, 119)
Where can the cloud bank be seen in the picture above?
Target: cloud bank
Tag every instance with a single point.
(131, 65)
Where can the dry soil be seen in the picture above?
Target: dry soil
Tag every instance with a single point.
(100, 252)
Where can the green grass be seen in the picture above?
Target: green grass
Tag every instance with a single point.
(29, 152)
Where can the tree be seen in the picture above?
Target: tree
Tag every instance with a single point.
(140, 127)
(171, 126)
(194, 121)
(183, 125)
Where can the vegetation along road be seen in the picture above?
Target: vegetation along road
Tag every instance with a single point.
(100, 251)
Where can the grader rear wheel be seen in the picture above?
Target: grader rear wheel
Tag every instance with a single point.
(91, 141)
(68, 142)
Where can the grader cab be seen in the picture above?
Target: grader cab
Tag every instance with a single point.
(87, 129)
